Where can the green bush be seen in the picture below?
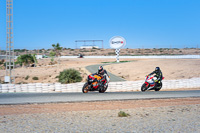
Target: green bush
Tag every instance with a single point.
(27, 77)
(26, 59)
(2, 61)
(111, 53)
(35, 78)
(69, 76)
(123, 114)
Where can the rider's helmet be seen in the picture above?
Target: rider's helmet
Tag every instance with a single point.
(100, 70)
(157, 69)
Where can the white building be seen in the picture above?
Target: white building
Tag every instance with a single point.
(88, 47)
(38, 56)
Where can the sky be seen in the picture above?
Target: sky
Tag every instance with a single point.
(143, 23)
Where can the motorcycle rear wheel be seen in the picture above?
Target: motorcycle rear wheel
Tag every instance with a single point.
(143, 88)
(102, 90)
(85, 88)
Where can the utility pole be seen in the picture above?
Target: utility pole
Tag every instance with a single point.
(10, 78)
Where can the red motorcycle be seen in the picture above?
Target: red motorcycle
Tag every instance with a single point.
(94, 85)
(151, 85)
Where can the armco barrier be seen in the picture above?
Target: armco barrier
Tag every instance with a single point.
(143, 57)
(77, 87)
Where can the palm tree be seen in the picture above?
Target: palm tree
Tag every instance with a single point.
(52, 55)
(57, 49)
(35, 59)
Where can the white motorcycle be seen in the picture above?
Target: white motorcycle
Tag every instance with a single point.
(150, 84)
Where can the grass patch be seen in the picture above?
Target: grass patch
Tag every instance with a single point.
(111, 53)
(123, 114)
(116, 62)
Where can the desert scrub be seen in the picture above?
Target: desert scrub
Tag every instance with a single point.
(2, 61)
(35, 78)
(111, 53)
(123, 114)
(69, 76)
(27, 77)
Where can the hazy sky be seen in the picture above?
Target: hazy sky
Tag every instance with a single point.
(143, 23)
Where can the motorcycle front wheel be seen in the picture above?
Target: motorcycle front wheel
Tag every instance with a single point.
(143, 88)
(85, 88)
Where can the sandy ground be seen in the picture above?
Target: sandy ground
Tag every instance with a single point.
(47, 73)
(171, 68)
(164, 115)
(134, 70)
(88, 106)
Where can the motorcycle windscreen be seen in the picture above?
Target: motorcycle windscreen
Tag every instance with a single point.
(90, 79)
(97, 77)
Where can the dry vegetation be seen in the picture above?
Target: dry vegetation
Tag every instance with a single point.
(134, 70)
(106, 52)
(47, 73)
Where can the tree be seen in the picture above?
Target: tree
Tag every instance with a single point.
(2, 61)
(35, 59)
(57, 49)
(52, 54)
(26, 59)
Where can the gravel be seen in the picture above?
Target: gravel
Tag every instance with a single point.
(182, 118)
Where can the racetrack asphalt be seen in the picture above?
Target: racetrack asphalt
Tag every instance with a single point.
(113, 78)
(31, 98)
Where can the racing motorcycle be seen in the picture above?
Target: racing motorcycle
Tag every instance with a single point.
(150, 84)
(94, 85)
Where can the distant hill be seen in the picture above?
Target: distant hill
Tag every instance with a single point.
(111, 52)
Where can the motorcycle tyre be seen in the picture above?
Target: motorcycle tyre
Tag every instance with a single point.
(143, 88)
(102, 91)
(157, 89)
(85, 88)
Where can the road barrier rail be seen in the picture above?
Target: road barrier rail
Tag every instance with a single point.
(77, 87)
(143, 57)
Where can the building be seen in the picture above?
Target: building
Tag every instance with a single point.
(88, 47)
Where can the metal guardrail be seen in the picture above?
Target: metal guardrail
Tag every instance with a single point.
(144, 57)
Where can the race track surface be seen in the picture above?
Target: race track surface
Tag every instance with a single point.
(31, 98)
(113, 78)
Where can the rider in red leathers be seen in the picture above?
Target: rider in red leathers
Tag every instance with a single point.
(105, 77)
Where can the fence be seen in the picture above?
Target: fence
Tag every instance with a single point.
(145, 57)
(77, 87)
